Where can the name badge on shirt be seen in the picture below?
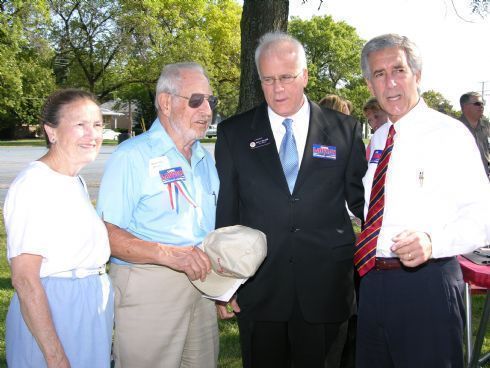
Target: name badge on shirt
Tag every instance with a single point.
(376, 156)
(156, 164)
(172, 175)
(325, 152)
(259, 142)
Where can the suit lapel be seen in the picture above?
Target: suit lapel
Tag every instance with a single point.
(267, 154)
(317, 134)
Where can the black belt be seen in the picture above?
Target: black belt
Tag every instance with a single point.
(395, 264)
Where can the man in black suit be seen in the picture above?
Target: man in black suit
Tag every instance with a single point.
(291, 311)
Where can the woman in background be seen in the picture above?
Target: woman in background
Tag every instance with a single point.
(61, 314)
(336, 103)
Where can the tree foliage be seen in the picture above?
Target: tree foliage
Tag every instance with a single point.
(333, 52)
(25, 73)
(438, 102)
(171, 31)
(480, 7)
(116, 49)
(89, 40)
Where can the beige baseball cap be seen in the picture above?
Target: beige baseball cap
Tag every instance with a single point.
(235, 252)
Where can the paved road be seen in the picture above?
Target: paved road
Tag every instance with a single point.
(14, 159)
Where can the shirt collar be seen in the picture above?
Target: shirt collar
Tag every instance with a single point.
(303, 114)
(411, 116)
(161, 142)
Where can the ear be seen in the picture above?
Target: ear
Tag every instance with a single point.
(418, 77)
(305, 77)
(370, 86)
(51, 132)
(164, 103)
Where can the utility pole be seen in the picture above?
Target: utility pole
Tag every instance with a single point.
(130, 112)
(483, 90)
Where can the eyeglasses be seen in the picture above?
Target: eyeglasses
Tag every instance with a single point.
(284, 79)
(477, 103)
(197, 99)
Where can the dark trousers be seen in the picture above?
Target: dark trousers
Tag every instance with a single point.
(349, 352)
(411, 318)
(294, 343)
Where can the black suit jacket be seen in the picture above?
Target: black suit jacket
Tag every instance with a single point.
(309, 233)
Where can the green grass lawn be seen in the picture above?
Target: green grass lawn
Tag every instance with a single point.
(229, 343)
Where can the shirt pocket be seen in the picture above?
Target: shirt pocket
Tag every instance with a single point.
(155, 194)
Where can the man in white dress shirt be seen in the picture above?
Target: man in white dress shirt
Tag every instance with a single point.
(436, 206)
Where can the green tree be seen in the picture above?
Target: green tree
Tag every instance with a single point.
(171, 31)
(333, 52)
(25, 57)
(438, 102)
(356, 92)
(89, 41)
(223, 21)
(116, 49)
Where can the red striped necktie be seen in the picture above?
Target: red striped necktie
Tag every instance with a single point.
(365, 255)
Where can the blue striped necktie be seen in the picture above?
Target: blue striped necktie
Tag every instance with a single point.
(288, 154)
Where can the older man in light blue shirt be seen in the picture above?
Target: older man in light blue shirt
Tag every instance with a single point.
(158, 199)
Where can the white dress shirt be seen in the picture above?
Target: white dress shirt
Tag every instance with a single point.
(435, 184)
(300, 127)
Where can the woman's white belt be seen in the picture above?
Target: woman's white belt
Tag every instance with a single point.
(80, 273)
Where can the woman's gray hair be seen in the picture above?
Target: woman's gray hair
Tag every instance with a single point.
(388, 41)
(269, 40)
(170, 78)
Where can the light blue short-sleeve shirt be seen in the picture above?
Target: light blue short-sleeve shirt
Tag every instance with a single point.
(150, 190)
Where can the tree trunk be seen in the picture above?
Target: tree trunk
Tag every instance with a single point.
(258, 17)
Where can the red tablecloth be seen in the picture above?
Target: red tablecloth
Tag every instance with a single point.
(475, 274)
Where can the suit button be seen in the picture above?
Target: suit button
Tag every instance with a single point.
(294, 229)
(292, 200)
(291, 260)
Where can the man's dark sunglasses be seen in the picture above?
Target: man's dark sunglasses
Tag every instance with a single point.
(477, 103)
(197, 99)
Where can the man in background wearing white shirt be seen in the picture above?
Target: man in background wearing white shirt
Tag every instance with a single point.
(435, 206)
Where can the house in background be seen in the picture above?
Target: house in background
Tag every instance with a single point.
(118, 114)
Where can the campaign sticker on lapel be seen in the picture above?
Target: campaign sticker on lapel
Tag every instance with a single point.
(156, 164)
(172, 175)
(325, 152)
(376, 156)
(259, 142)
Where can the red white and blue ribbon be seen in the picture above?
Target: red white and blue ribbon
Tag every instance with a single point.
(174, 178)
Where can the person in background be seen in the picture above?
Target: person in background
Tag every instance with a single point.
(376, 117)
(287, 168)
(422, 209)
(374, 114)
(350, 106)
(158, 200)
(472, 107)
(61, 314)
(347, 333)
(336, 103)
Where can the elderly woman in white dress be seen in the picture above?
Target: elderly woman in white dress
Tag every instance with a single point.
(61, 314)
